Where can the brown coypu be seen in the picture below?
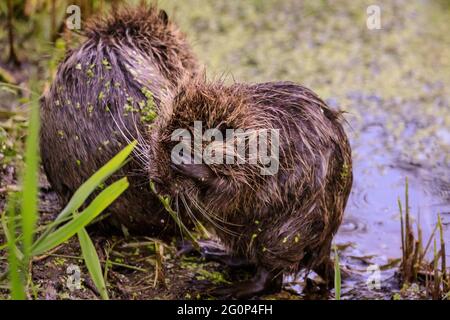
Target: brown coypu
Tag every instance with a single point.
(107, 92)
(280, 222)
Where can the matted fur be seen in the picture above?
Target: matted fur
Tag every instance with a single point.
(283, 221)
(88, 113)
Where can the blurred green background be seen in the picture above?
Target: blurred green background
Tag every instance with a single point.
(400, 72)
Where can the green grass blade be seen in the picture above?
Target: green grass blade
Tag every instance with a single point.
(30, 182)
(16, 279)
(92, 262)
(166, 203)
(85, 190)
(10, 243)
(337, 276)
(100, 203)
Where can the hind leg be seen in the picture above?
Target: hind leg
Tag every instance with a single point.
(263, 282)
(274, 252)
(210, 251)
(326, 271)
(279, 247)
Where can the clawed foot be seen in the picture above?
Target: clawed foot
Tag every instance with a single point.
(264, 282)
(211, 251)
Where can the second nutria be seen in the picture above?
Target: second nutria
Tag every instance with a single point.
(106, 93)
(278, 221)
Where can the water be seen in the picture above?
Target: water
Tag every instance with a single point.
(369, 238)
(372, 217)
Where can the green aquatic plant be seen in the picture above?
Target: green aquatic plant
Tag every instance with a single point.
(215, 277)
(148, 107)
(414, 268)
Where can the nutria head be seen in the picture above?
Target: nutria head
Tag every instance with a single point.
(214, 184)
(148, 29)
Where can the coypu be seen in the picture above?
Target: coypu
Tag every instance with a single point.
(277, 222)
(106, 93)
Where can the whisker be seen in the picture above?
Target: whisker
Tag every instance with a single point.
(189, 211)
(177, 210)
(210, 220)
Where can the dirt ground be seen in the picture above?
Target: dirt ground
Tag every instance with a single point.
(134, 269)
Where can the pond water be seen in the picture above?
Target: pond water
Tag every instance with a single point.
(369, 236)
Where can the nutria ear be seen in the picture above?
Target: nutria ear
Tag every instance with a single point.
(163, 16)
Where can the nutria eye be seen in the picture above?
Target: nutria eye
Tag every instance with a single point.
(199, 172)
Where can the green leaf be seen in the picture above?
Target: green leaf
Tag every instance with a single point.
(30, 182)
(100, 203)
(85, 190)
(92, 262)
(337, 276)
(10, 242)
(16, 281)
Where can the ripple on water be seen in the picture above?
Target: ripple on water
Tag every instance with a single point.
(370, 232)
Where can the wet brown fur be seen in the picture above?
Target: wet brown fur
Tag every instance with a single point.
(283, 221)
(280, 222)
(84, 121)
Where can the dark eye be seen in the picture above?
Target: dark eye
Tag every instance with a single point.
(198, 172)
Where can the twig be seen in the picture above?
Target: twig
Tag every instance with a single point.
(46, 255)
(443, 258)
(118, 264)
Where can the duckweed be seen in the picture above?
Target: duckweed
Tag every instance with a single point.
(106, 64)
